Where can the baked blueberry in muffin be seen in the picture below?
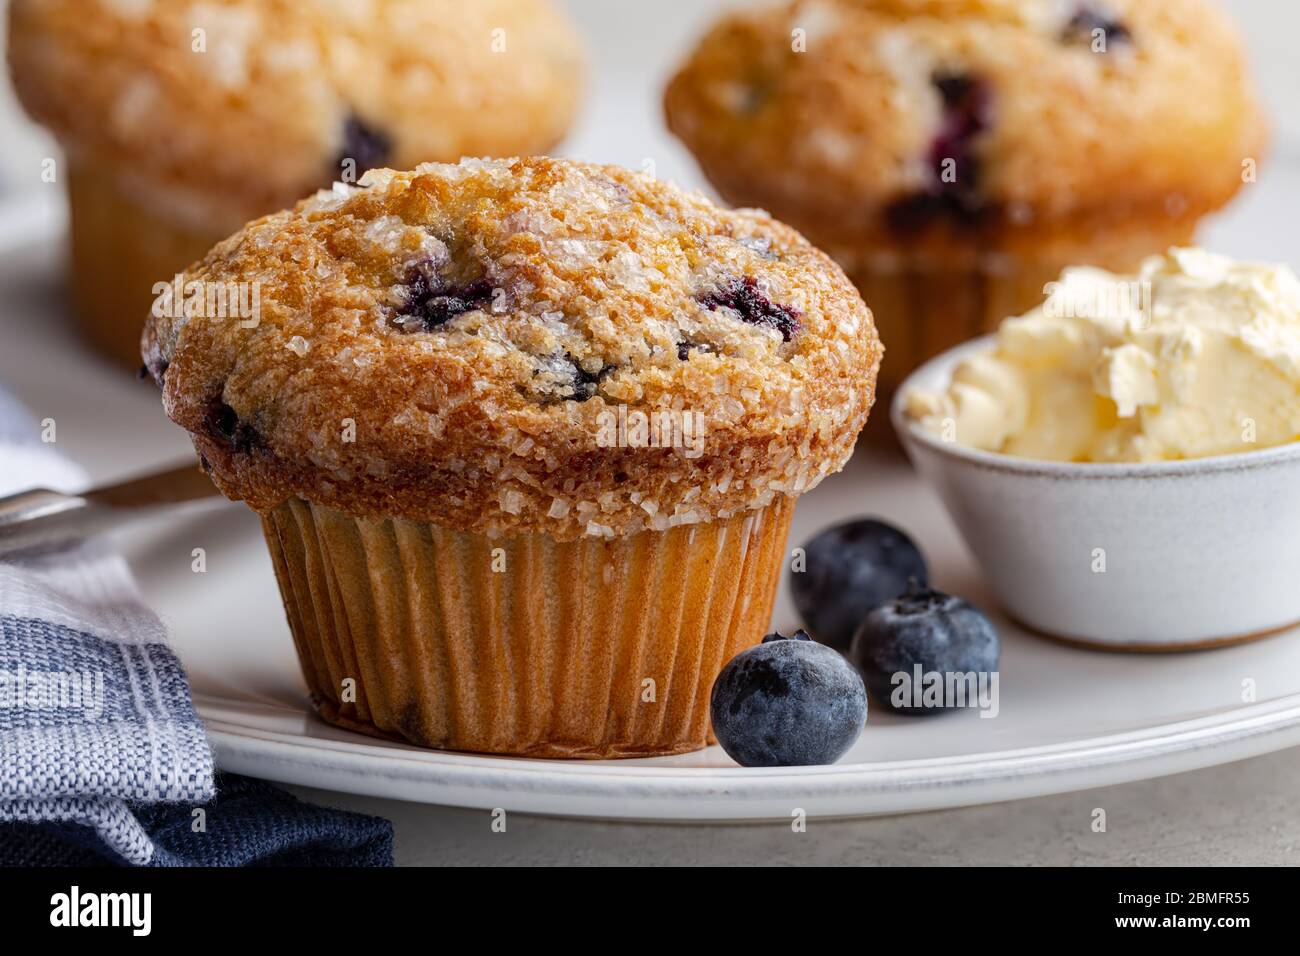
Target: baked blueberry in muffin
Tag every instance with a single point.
(428, 395)
(953, 191)
(1092, 23)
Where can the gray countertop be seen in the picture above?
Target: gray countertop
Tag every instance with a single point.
(1235, 814)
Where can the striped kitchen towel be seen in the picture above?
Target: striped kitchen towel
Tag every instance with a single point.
(102, 756)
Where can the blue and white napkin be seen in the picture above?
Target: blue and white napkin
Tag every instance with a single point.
(102, 756)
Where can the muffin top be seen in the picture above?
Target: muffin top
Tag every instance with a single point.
(476, 345)
(221, 110)
(964, 125)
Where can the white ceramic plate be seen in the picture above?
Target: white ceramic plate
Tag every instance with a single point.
(1069, 718)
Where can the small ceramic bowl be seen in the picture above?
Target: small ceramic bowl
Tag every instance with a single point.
(1161, 556)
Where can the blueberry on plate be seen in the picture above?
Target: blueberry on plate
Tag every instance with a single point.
(851, 568)
(921, 634)
(787, 702)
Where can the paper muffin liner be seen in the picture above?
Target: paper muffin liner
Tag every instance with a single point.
(594, 648)
(120, 250)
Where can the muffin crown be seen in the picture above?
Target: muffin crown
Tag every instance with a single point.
(970, 125)
(220, 110)
(515, 345)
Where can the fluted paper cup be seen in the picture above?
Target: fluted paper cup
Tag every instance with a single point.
(120, 250)
(595, 648)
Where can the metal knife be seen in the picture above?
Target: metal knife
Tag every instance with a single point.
(41, 519)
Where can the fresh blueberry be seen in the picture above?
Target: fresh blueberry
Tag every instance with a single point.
(787, 702)
(1087, 19)
(849, 569)
(366, 146)
(923, 633)
(744, 297)
(956, 199)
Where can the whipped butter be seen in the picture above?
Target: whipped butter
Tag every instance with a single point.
(1195, 355)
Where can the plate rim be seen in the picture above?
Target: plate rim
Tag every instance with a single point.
(638, 791)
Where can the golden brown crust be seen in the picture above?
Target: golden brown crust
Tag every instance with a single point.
(258, 118)
(592, 288)
(1069, 139)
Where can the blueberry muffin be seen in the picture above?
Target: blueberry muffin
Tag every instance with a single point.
(526, 437)
(955, 155)
(183, 121)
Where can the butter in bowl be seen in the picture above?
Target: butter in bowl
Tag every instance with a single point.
(1124, 460)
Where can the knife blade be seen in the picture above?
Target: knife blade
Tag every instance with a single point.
(41, 518)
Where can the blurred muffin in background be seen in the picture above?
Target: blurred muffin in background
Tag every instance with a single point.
(955, 155)
(183, 121)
